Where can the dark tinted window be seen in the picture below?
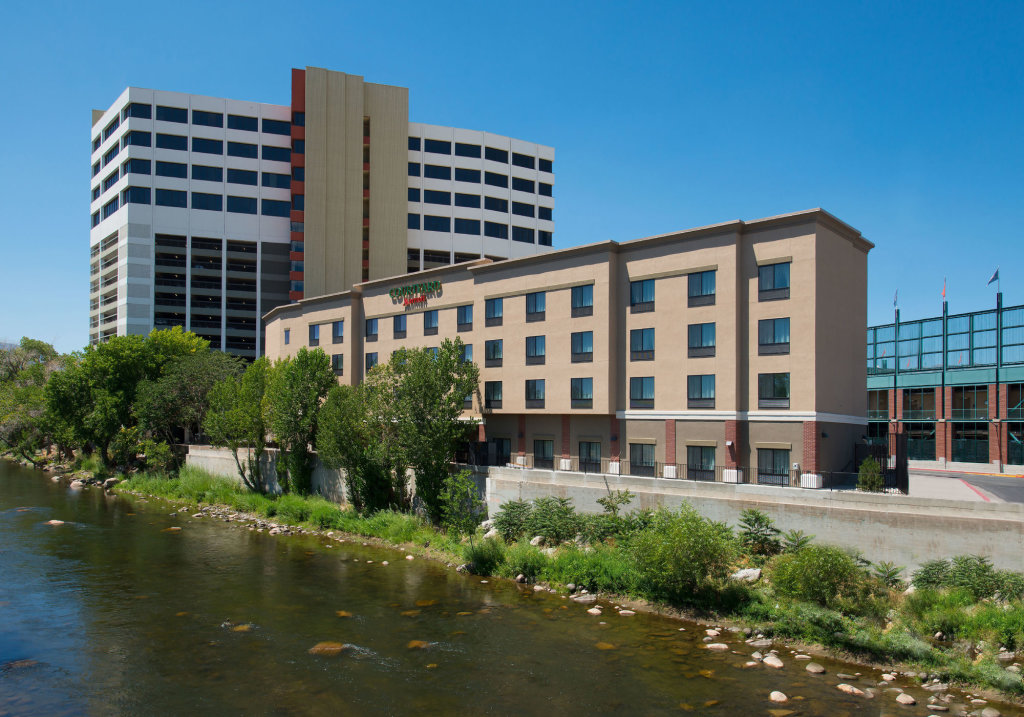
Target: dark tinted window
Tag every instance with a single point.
(467, 175)
(437, 224)
(467, 200)
(414, 169)
(171, 141)
(171, 198)
(437, 146)
(414, 144)
(546, 165)
(523, 210)
(543, 237)
(207, 174)
(299, 174)
(137, 109)
(242, 205)
(249, 124)
(207, 119)
(271, 126)
(135, 195)
(211, 202)
(299, 146)
(522, 185)
(467, 150)
(496, 155)
(522, 160)
(431, 196)
(522, 234)
(496, 205)
(137, 166)
(414, 194)
(495, 180)
(138, 139)
(544, 189)
(436, 172)
(171, 114)
(414, 221)
(281, 181)
(298, 119)
(467, 226)
(274, 208)
(498, 231)
(298, 202)
(207, 146)
(544, 213)
(277, 154)
(171, 169)
(242, 176)
(241, 149)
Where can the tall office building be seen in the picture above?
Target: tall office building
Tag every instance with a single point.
(209, 212)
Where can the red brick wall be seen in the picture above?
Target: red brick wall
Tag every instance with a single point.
(1004, 401)
(996, 443)
(735, 431)
(810, 461)
(941, 440)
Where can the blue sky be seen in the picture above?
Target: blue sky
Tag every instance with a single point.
(903, 119)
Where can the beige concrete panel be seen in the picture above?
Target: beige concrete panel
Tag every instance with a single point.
(700, 433)
(318, 158)
(767, 433)
(388, 109)
(835, 448)
(644, 432)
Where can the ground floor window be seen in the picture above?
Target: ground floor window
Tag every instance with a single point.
(544, 453)
(641, 459)
(878, 433)
(773, 466)
(700, 462)
(502, 450)
(970, 442)
(1015, 443)
(590, 456)
(920, 441)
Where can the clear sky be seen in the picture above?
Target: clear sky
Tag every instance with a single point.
(903, 119)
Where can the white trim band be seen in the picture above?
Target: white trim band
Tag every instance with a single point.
(765, 416)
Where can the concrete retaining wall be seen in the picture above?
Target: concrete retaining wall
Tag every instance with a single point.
(903, 529)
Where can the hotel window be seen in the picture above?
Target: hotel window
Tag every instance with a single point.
(535, 306)
(581, 392)
(243, 149)
(371, 329)
(493, 353)
(433, 171)
(701, 288)
(137, 166)
(492, 394)
(773, 390)
(492, 312)
(338, 364)
(207, 146)
(467, 200)
(522, 160)
(641, 459)
(467, 150)
(464, 317)
(467, 353)
(700, 463)
(314, 334)
(534, 350)
(338, 332)
(414, 144)
(172, 114)
(496, 180)
(242, 176)
(207, 119)
(641, 392)
(437, 146)
(641, 345)
(773, 336)
(248, 124)
(583, 300)
(371, 360)
(544, 189)
(472, 176)
(544, 453)
(432, 196)
(546, 165)
(701, 340)
(414, 169)
(398, 326)
(496, 205)
(496, 155)
(430, 323)
(773, 281)
(700, 391)
(287, 336)
(773, 466)
(535, 393)
(272, 126)
(582, 346)
(495, 230)
(590, 456)
(641, 296)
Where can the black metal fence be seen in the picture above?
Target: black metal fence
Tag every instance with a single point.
(892, 455)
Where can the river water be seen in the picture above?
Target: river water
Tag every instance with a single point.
(111, 613)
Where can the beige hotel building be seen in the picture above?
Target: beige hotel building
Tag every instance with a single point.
(731, 352)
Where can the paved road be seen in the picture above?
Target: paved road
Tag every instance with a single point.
(1005, 488)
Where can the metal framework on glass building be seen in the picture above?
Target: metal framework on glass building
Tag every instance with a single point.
(954, 384)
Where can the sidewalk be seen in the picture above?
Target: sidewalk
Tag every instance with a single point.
(950, 488)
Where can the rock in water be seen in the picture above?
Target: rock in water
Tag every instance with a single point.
(814, 668)
(777, 696)
(718, 646)
(904, 699)
(849, 689)
(594, 611)
(627, 613)
(773, 661)
(55, 522)
(327, 649)
(418, 645)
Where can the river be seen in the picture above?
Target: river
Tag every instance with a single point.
(112, 613)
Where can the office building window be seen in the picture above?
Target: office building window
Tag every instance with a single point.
(135, 195)
(582, 343)
(534, 350)
(544, 213)
(535, 393)
(431, 196)
(701, 340)
(243, 149)
(135, 138)
(522, 160)
(493, 353)
(276, 154)
(437, 224)
(249, 124)
(171, 198)
(467, 150)
(136, 166)
(523, 234)
(280, 181)
(773, 336)
(207, 119)
(498, 231)
(522, 185)
(371, 360)
(641, 392)
(338, 332)
(242, 176)
(209, 202)
(371, 329)
(546, 165)
(398, 324)
(437, 146)
(468, 200)
(496, 155)
(430, 323)
(298, 202)
(493, 312)
(414, 144)
(413, 194)
(109, 156)
(464, 317)
(641, 345)
(207, 174)
(535, 305)
(641, 459)
(583, 300)
(314, 334)
(544, 453)
(272, 126)
(467, 226)
(414, 169)
(544, 189)
(496, 205)
(172, 169)
(492, 394)
(434, 171)
(701, 288)
(413, 222)
(275, 208)
(581, 392)
(496, 180)
(641, 296)
(700, 463)
(172, 114)
(241, 205)
(773, 390)
(522, 209)
(207, 146)
(773, 466)
(298, 146)
(96, 169)
(700, 391)
(773, 281)
(338, 364)
(471, 176)
(137, 109)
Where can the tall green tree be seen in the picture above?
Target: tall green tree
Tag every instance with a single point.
(236, 420)
(24, 372)
(295, 389)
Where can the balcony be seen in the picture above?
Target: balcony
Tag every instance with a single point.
(878, 414)
(916, 414)
(971, 414)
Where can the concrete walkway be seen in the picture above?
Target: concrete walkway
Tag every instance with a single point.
(951, 487)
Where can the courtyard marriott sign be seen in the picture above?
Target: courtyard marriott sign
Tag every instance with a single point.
(414, 294)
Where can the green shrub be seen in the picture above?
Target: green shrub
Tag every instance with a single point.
(869, 477)
(636, 521)
(794, 540)
(680, 554)
(1010, 585)
(598, 527)
(293, 508)
(323, 514)
(157, 456)
(511, 519)
(931, 574)
(615, 501)
(889, 574)
(758, 534)
(602, 568)
(252, 503)
(821, 574)
(973, 573)
(554, 519)
(487, 556)
(524, 559)
(460, 504)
